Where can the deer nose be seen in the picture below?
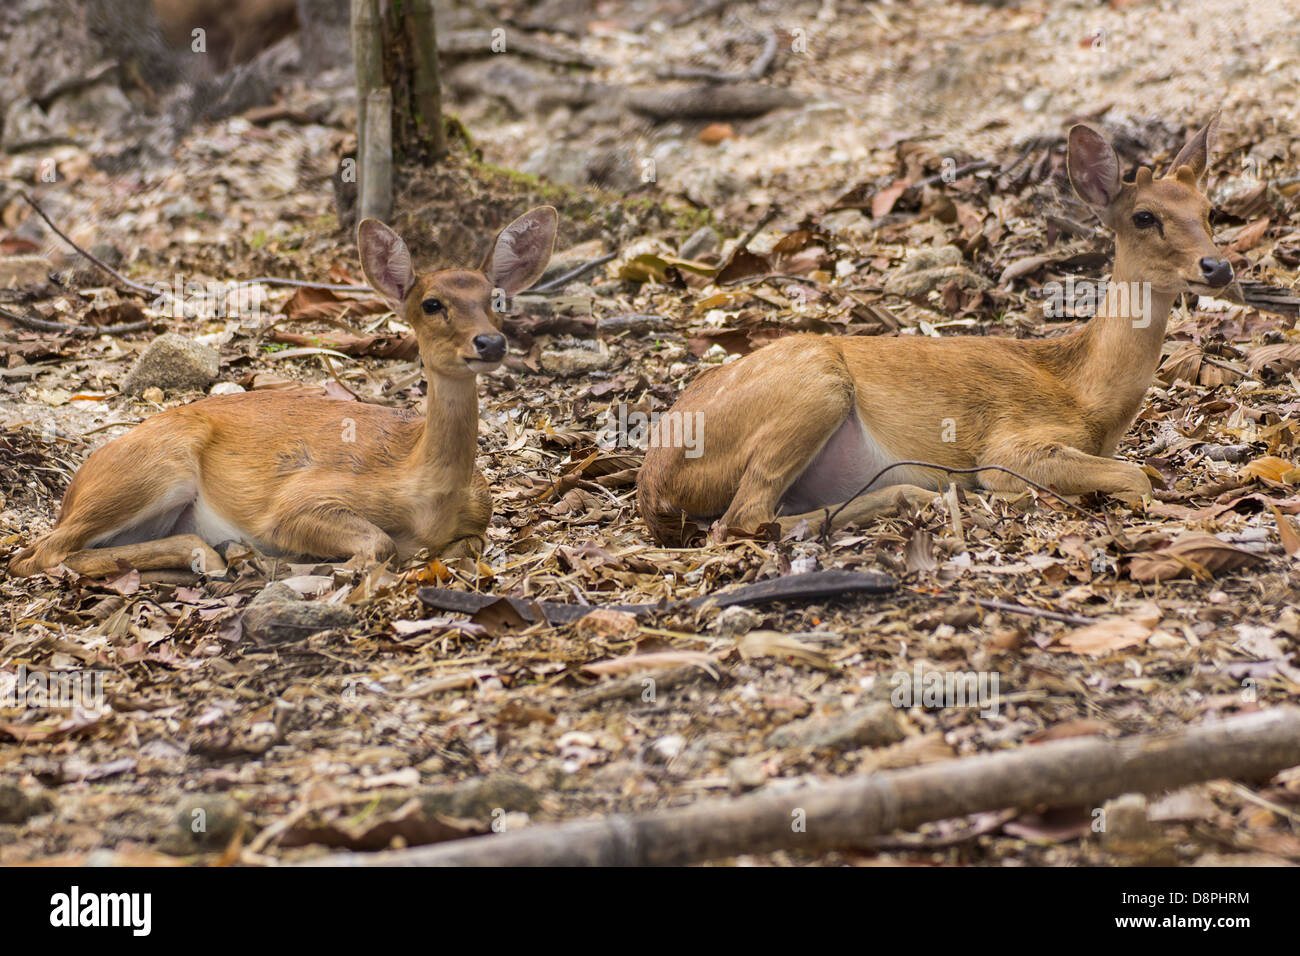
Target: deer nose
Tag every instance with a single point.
(491, 348)
(1217, 272)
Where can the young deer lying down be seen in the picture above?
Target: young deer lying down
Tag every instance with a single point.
(802, 424)
(302, 475)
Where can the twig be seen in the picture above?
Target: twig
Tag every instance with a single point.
(46, 325)
(147, 290)
(956, 471)
(571, 276)
(1008, 608)
(302, 284)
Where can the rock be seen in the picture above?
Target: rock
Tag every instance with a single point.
(606, 622)
(24, 270)
(576, 361)
(205, 821)
(278, 622)
(18, 805)
(225, 388)
(101, 106)
(477, 799)
(558, 162)
(701, 242)
(872, 725)
(931, 257)
(277, 592)
(172, 361)
(913, 284)
(746, 773)
(634, 324)
(153, 394)
(736, 620)
(709, 186)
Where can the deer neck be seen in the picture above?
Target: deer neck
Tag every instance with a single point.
(1119, 349)
(445, 453)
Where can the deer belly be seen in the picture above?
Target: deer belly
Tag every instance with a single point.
(850, 458)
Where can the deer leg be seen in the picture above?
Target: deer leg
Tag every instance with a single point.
(891, 499)
(178, 551)
(332, 533)
(1066, 470)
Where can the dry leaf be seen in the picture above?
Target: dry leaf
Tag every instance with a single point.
(1192, 555)
(1112, 634)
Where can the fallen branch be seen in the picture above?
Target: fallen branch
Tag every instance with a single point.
(813, 586)
(1078, 772)
(47, 325)
(475, 42)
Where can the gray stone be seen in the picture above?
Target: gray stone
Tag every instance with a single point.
(206, 821)
(931, 257)
(575, 361)
(18, 805)
(913, 284)
(279, 622)
(873, 725)
(709, 186)
(701, 242)
(100, 106)
(174, 362)
(746, 773)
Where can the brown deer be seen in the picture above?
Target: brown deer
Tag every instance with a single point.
(294, 474)
(801, 425)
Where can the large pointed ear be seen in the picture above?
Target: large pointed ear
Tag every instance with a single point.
(385, 260)
(1093, 167)
(522, 249)
(1196, 151)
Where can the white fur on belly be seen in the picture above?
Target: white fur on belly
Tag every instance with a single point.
(848, 460)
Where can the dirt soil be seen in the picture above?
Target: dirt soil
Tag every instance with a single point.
(923, 125)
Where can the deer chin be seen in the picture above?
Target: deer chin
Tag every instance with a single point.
(1204, 288)
(478, 366)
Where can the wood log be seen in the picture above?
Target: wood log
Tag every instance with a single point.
(1081, 771)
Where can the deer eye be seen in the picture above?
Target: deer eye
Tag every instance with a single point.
(431, 306)
(1145, 220)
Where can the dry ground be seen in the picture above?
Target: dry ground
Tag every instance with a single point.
(411, 724)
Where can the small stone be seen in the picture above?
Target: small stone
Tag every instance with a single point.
(873, 725)
(931, 257)
(18, 805)
(746, 773)
(736, 620)
(709, 186)
(701, 242)
(575, 361)
(608, 623)
(922, 282)
(174, 362)
(572, 258)
(277, 622)
(226, 388)
(207, 821)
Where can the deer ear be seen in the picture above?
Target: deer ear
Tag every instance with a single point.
(522, 249)
(1196, 151)
(1093, 167)
(385, 260)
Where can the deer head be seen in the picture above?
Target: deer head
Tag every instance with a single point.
(451, 310)
(1161, 226)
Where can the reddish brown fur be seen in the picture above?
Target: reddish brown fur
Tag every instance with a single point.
(1052, 410)
(300, 474)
